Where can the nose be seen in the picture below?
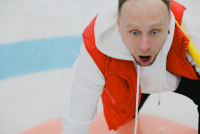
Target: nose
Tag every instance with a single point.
(144, 45)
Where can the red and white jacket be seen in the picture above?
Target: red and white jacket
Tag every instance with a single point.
(106, 68)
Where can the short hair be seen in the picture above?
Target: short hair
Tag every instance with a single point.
(121, 2)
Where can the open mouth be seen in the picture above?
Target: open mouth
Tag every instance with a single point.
(145, 60)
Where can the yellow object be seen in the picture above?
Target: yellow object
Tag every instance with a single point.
(192, 50)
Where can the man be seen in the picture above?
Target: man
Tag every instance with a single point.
(131, 49)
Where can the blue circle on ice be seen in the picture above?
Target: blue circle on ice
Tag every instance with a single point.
(38, 55)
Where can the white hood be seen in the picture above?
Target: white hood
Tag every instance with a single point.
(109, 41)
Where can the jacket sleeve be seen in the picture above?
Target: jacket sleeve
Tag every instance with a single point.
(87, 86)
(191, 27)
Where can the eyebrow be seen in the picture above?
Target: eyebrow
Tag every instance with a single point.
(134, 25)
(156, 24)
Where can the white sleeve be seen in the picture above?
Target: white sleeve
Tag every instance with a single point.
(191, 27)
(87, 86)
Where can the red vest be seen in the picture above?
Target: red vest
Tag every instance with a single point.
(119, 93)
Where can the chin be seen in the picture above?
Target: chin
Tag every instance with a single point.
(140, 64)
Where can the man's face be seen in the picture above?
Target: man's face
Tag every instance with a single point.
(144, 26)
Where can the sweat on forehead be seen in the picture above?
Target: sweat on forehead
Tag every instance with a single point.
(121, 3)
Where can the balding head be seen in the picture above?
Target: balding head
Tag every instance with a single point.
(121, 3)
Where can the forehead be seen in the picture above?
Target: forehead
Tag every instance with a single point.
(144, 10)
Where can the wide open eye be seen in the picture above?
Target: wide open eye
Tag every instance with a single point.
(134, 32)
(154, 32)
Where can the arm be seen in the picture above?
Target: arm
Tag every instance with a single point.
(87, 86)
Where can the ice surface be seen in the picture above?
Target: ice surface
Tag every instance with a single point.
(28, 100)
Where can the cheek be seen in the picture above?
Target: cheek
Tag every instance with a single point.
(130, 42)
(158, 43)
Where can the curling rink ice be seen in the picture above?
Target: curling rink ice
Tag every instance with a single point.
(39, 42)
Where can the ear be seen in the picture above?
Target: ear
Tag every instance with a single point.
(118, 22)
(169, 22)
